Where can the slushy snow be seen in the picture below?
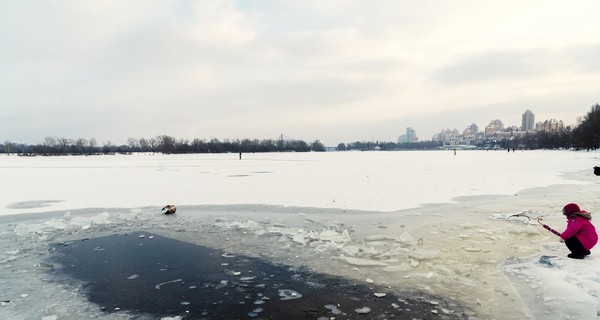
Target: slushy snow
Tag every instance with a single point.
(364, 216)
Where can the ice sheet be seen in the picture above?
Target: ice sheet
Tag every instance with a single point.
(380, 181)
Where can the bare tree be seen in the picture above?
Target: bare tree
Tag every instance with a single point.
(80, 145)
(133, 144)
(144, 145)
(166, 144)
(93, 144)
(153, 144)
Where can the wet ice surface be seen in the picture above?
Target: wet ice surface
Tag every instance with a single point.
(74, 265)
(456, 267)
(143, 273)
(463, 259)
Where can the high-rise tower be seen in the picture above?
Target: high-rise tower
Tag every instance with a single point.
(527, 121)
(411, 135)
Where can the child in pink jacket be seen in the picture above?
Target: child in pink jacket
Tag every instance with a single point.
(580, 235)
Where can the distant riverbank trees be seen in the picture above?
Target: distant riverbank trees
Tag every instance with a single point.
(584, 136)
(161, 144)
(587, 134)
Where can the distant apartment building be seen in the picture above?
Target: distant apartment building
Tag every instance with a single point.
(527, 121)
(446, 135)
(453, 139)
(471, 131)
(550, 126)
(494, 128)
(409, 137)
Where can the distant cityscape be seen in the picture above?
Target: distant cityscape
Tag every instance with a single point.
(495, 130)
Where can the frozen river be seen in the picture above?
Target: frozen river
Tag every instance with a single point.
(375, 181)
(368, 217)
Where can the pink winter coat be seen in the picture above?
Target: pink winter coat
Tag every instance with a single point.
(583, 229)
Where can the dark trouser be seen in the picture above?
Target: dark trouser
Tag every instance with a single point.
(576, 247)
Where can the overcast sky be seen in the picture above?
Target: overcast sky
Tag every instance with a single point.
(337, 71)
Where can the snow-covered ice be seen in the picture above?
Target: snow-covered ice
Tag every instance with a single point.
(430, 221)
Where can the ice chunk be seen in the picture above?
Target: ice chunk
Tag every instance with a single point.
(363, 310)
(377, 237)
(346, 236)
(333, 236)
(406, 238)
(299, 238)
(361, 262)
(334, 309)
(247, 278)
(351, 250)
(400, 268)
(288, 294)
(163, 283)
(424, 254)
(251, 225)
(282, 231)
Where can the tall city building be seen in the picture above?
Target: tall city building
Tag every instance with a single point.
(411, 135)
(527, 121)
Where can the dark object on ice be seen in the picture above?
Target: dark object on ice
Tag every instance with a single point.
(153, 276)
(597, 171)
(546, 261)
(170, 209)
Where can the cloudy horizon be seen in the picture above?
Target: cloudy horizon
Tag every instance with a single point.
(337, 71)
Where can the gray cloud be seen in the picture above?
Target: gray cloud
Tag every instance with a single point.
(586, 57)
(495, 65)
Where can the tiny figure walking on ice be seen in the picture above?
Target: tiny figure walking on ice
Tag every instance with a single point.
(580, 235)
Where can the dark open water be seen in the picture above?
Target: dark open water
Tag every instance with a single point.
(146, 274)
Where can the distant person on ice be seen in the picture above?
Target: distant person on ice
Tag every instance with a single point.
(580, 235)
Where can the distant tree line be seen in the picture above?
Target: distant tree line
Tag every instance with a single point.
(389, 146)
(585, 136)
(161, 144)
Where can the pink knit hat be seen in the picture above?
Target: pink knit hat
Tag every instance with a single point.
(571, 208)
